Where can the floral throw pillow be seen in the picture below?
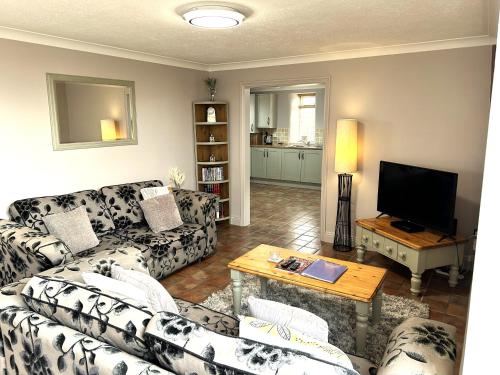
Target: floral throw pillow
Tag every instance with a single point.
(185, 347)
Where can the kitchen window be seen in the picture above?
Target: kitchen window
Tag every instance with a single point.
(303, 121)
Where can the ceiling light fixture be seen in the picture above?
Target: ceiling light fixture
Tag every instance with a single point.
(213, 17)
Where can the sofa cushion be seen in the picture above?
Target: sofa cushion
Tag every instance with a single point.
(118, 322)
(30, 211)
(126, 257)
(185, 347)
(36, 345)
(168, 242)
(287, 337)
(420, 346)
(290, 316)
(73, 228)
(161, 213)
(123, 202)
(211, 319)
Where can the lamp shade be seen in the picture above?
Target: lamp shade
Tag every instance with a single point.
(346, 150)
(108, 130)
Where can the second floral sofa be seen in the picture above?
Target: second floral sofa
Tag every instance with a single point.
(27, 248)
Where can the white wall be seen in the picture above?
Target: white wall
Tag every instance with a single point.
(30, 167)
(481, 339)
(428, 109)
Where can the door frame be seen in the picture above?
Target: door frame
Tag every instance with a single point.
(244, 142)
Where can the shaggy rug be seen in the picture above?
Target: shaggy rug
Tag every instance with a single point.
(337, 311)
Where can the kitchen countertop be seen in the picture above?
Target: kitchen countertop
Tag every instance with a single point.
(315, 147)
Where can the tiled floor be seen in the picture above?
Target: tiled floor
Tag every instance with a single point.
(289, 217)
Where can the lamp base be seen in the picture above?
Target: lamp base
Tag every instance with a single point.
(343, 239)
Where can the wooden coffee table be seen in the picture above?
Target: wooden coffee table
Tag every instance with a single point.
(360, 282)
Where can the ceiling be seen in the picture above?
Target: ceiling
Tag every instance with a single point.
(275, 31)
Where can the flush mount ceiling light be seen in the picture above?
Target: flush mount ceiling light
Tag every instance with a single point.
(213, 17)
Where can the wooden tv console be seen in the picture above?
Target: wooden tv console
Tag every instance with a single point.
(417, 251)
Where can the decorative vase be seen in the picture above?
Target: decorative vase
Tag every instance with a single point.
(212, 95)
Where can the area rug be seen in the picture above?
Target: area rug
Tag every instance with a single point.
(337, 311)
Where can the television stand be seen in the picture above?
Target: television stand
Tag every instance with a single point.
(407, 226)
(419, 251)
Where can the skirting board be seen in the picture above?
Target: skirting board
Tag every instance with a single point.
(287, 184)
(328, 237)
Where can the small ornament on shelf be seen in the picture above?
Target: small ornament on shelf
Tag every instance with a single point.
(211, 158)
(211, 82)
(211, 138)
(211, 115)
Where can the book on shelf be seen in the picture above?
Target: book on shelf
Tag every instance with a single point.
(212, 174)
(212, 188)
(324, 271)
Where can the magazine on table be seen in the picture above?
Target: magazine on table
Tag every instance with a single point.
(324, 271)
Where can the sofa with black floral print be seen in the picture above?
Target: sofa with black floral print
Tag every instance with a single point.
(171, 250)
(117, 220)
(56, 324)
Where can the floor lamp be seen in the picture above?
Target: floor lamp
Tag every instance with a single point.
(346, 162)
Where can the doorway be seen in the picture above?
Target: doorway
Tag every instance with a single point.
(283, 172)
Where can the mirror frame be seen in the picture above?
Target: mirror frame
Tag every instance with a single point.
(52, 78)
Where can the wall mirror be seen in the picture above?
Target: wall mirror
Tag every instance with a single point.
(88, 112)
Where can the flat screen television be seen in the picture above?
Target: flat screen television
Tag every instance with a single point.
(416, 195)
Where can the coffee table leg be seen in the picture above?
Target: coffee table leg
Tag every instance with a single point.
(362, 309)
(236, 277)
(377, 306)
(263, 287)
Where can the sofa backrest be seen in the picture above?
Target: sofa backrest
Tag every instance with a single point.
(30, 211)
(123, 202)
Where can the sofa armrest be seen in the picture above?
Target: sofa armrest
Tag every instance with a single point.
(420, 346)
(25, 251)
(196, 207)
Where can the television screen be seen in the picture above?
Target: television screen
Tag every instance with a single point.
(420, 195)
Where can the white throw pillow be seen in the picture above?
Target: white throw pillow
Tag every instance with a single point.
(293, 317)
(157, 296)
(151, 192)
(115, 287)
(73, 228)
(286, 337)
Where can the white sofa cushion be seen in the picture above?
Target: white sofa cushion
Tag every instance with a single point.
(157, 297)
(161, 213)
(286, 337)
(293, 317)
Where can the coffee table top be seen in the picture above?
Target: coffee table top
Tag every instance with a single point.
(360, 282)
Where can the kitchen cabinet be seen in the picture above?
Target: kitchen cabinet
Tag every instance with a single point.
(258, 160)
(253, 126)
(266, 163)
(265, 110)
(291, 164)
(311, 166)
(301, 165)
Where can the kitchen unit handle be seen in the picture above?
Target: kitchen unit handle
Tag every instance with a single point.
(302, 155)
(298, 155)
(268, 120)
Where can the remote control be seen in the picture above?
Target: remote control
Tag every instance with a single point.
(294, 266)
(288, 263)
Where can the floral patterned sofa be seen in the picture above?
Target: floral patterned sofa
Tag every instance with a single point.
(27, 248)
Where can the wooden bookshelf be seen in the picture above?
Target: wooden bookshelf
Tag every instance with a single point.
(219, 148)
